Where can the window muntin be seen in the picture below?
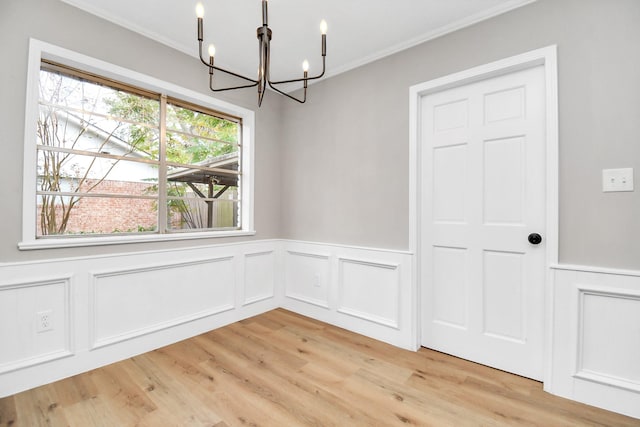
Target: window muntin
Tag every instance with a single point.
(99, 167)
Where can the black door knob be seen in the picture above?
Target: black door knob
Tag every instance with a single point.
(534, 238)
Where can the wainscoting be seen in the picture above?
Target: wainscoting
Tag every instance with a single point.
(107, 308)
(595, 357)
(102, 309)
(367, 291)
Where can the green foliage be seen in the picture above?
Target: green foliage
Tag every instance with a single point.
(192, 136)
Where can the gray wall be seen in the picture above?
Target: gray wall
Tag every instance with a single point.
(341, 160)
(55, 22)
(346, 152)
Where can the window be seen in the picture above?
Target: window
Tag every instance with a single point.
(116, 161)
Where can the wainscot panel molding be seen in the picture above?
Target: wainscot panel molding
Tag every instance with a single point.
(107, 308)
(595, 343)
(103, 309)
(147, 295)
(307, 277)
(365, 290)
(260, 277)
(25, 342)
(357, 278)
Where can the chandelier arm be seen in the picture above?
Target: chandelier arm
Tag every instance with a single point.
(253, 82)
(230, 88)
(302, 79)
(215, 67)
(289, 96)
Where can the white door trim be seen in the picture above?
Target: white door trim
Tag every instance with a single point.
(547, 57)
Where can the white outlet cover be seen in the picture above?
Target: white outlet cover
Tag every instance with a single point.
(617, 179)
(44, 321)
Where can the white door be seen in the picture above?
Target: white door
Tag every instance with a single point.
(483, 194)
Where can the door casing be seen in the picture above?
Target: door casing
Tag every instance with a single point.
(546, 57)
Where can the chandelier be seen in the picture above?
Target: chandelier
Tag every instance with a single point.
(264, 79)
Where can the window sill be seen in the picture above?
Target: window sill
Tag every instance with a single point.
(74, 242)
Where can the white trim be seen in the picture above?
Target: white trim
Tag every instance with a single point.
(74, 242)
(547, 57)
(597, 270)
(358, 248)
(369, 317)
(39, 50)
(257, 299)
(138, 253)
(309, 254)
(383, 265)
(308, 300)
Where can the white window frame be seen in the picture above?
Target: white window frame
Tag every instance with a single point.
(39, 50)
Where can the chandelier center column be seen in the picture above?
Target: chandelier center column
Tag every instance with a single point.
(264, 39)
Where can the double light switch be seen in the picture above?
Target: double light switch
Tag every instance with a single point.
(617, 179)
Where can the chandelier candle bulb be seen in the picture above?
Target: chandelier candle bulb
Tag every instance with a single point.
(212, 54)
(200, 14)
(305, 69)
(323, 31)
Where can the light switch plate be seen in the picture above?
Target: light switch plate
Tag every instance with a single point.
(617, 179)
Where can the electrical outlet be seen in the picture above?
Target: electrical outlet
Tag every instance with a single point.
(44, 320)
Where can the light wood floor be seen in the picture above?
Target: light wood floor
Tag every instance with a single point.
(282, 369)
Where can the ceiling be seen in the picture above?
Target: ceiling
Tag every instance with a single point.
(359, 31)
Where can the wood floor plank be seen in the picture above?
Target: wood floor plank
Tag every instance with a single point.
(199, 384)
(283, 369)
(168, 395)
(42, 408)
(284, 372)
(230, 377)
(258, 377)
(8, 413)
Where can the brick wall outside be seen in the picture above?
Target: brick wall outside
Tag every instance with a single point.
(109, 215)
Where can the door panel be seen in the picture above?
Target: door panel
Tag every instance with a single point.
(503, 201)
(483, 153)
(449, 175)
(449, 286)
(503, 295)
